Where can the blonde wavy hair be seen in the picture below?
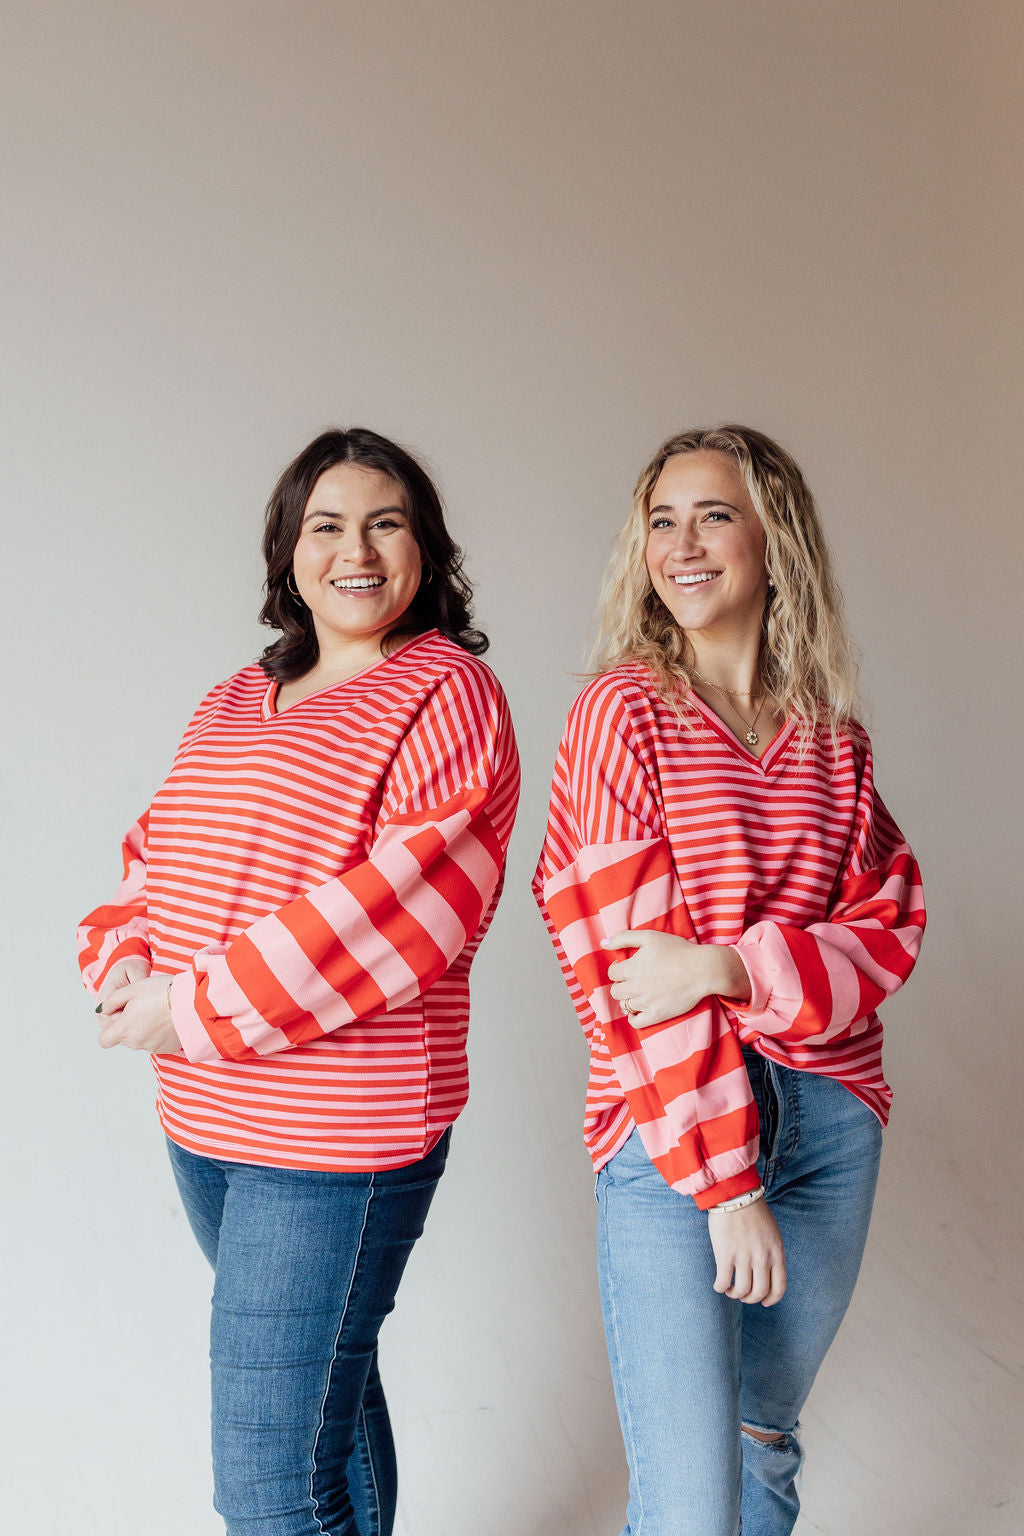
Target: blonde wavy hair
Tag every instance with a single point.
(807, 659)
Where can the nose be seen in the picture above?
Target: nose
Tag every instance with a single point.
(687, 540)
(355, 546)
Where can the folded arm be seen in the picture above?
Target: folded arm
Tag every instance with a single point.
(826, 980)
(607, 866)
(383, 931)
(118, 932)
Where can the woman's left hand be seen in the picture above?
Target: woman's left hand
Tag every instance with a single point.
(666, 976)
(137, 1016)
(749, 1256)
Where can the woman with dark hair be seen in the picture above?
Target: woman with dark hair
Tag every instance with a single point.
(442, 597)
(730, 901)
(291, 941)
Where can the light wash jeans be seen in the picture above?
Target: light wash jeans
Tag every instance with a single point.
(690, 1366)
(307, 1265)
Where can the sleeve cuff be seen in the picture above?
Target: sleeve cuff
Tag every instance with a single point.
(196, 1044)
(134, 947)
(760, 986)
(728, 1189)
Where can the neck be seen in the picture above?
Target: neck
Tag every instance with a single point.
(729, 665)
(339, 659)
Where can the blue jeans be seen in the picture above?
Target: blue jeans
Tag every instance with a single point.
(689, 1366)
(307, 1265)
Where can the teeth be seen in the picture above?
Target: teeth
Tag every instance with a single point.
(347, 583)
(694, 581)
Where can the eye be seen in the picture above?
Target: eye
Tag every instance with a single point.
(385, 522)
(660, 522)
(326, 527)
(716, 516)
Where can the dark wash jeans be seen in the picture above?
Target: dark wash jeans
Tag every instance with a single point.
(307, 1265)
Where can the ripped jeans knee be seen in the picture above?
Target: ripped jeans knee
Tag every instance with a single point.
(772, 1463)
(773, 1458)
(775, 1439)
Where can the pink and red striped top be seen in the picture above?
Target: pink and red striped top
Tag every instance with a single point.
(318, 882)
(676, 826)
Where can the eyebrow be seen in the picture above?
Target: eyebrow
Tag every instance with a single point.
(716, 501)
(377, 512)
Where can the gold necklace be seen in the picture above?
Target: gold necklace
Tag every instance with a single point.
(751, 737)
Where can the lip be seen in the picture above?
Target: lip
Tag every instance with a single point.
(681, 584)
(374, 591)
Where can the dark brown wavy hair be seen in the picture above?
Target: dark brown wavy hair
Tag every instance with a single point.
(444, 598)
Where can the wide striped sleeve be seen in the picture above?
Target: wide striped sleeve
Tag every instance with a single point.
(380, 933)
(812, 984)
(120, 929)
(607, 865)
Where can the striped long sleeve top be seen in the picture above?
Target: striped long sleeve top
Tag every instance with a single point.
(317, 883)
(674, 825)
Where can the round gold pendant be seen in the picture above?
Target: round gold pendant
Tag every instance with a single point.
(752, 737)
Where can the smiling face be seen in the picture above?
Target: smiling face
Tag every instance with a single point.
(357, 564)
(706, 547)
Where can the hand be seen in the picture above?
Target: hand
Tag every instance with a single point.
(667, 976)
(748, 1250)
(137, 1015)
(135, 968)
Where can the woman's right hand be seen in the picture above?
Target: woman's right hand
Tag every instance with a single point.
(135, 968)
(748, 1250)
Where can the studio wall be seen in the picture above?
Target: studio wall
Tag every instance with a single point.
(529, 241)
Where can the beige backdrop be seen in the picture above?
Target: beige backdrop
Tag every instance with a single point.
(528, 239)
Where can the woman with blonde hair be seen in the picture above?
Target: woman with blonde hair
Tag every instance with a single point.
(730, 901)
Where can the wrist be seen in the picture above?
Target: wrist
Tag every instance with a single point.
(733, 982)
(741, 1202)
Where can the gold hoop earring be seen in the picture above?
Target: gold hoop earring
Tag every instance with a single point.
(430, 575)
(292, 588)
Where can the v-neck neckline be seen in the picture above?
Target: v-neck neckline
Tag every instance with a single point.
(771, 755)
(268, 705)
